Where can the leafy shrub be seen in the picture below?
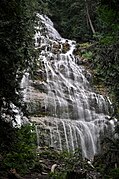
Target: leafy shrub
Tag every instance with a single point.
(114, 173)
(22, 156)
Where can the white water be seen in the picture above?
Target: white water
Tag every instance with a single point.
(68, 113)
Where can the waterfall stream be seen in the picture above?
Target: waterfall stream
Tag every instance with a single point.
(67, 111)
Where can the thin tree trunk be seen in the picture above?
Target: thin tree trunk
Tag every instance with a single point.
(89, 19)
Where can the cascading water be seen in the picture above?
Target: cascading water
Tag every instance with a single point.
(67, 112)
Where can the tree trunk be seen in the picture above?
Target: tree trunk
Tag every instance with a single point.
(89, 19)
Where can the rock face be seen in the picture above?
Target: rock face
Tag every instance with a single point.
(67, 112)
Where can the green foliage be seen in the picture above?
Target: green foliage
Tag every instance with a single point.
(16, 48)
(71, 160)
(106, 55)
(68, 163)
(108, 161)
(58, 175)
(88, 55)
(106, 69)
(8, 136)
(71, 19)
(114, 173)
(108, 24)
(22, 155)
(43, 7)
(16, 55)
(107, 15)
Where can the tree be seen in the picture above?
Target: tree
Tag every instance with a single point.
(89, 18)
(16, 49)
(106, 54)
(74, 19)
(16, 54)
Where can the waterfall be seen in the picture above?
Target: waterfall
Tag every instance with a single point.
(67, 111)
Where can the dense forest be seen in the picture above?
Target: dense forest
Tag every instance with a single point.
(95, 26)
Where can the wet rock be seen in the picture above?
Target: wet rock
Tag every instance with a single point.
(65, 46)
(56, 47)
